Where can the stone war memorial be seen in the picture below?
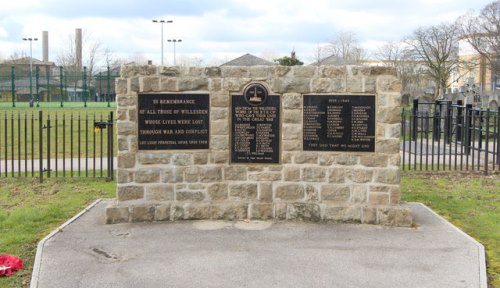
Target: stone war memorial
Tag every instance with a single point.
(276, 143)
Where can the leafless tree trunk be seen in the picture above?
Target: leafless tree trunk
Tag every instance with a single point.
(319, 54)
(399, 56)
(110, 59)
(437, 48)
(93, 53)
(345, 47)
(482, 32)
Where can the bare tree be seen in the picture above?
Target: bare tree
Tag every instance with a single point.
(93, 54)
(184, 60)
(319, 54)
(67, 56)
(437, 48)
(391, 53)
(137, 58)
(19, 58)
(108, 56)
(399, 56)
(345, 48)
(482, 32)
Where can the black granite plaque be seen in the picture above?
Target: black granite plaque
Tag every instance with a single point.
(255, 130)
(339, 123)
(173, 121)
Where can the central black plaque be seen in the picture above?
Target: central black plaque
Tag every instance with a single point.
(339, 123)
(255, 130)
(173, 121)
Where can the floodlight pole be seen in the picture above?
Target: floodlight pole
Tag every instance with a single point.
(31, 65)
(174, 41)
(161, 23)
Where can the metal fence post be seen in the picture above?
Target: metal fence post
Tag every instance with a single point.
(100, 86)
(460, 119)
(414, 120)
(37, 77)
(447, 123)
(40, 146)
(47, 70)
(48, 146)
(436, 125)
(110, 146)
(498, 137)
(108, 93)
(487, 142)
(468, 124)
(66, 85)
(13, 85)
(84, 86)
(480, 115)
(61, 84)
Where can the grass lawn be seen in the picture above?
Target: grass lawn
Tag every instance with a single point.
(30, 210)
(469, 200)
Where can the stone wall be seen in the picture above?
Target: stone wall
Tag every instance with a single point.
(361, 187)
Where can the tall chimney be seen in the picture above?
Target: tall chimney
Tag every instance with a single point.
(45, 45)
(78, 47)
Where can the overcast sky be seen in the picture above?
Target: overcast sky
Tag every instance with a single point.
(217, 30)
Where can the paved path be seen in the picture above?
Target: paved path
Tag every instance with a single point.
(88, 253)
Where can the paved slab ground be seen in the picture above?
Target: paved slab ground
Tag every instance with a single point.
(88, 253)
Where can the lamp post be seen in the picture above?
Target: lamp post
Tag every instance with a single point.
(174, 41)
(31, 65)
(161, 23)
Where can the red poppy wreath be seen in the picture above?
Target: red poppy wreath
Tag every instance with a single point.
(9, 265)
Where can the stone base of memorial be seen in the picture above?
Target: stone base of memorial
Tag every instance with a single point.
(323, 145)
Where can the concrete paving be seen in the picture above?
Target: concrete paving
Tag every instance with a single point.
(85, 252)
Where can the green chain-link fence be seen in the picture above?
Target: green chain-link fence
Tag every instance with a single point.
(45, 83)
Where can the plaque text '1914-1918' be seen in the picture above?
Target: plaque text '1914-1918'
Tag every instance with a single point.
(173, 121)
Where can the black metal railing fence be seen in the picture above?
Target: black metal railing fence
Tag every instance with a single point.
(439, 136)
(39, 144)
(447, 136)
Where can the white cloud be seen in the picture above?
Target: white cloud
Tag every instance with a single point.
(3, 32)
(219, 29)
(20, 5)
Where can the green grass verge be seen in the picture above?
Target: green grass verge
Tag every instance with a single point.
(71, 128)
(471, 201)
(30, 210)
(44, 105)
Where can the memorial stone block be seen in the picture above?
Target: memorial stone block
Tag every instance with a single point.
(269, 142)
